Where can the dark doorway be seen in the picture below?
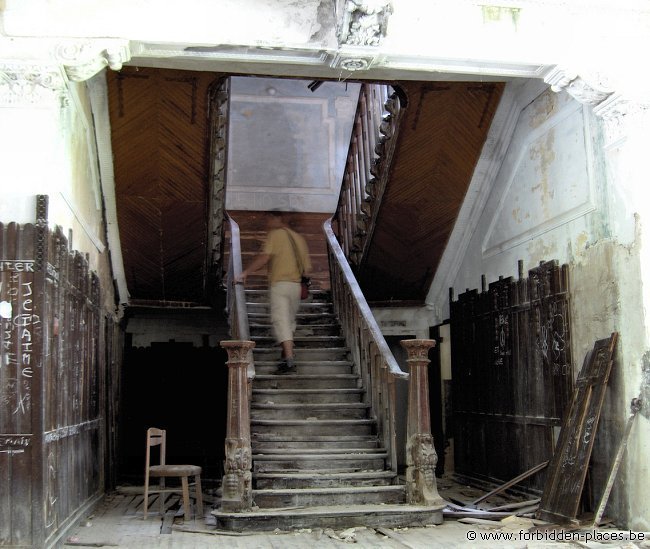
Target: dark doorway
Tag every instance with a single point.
(183, 389)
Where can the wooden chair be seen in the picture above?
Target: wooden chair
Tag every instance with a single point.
(158, 437)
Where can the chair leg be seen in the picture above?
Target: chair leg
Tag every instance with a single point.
(199, 497)
(161, 496)
(186, 497)
(146, 495)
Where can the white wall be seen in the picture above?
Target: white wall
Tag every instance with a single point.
(558, 196)
(47, 147)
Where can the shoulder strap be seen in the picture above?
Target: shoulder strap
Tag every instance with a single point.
(295, 252)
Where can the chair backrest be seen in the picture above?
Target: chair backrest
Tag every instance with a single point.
(156, 437)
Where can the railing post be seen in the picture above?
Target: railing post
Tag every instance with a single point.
(421, 456)
(237, 481)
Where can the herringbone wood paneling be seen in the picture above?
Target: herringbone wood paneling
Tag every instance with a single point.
(440, 141)
(160, 148)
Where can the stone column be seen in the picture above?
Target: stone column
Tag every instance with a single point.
(421, 456)
(237, 481)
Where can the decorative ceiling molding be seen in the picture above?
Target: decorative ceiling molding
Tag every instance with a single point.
(582, 90)
(617, 112)
(364, 22)
(83, 59)
(29, 84)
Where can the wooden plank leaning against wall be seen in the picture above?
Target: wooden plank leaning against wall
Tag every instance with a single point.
(56, 346)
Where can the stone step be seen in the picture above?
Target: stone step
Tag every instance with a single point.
(306, 381)
(335, 410)
(274, 442)
(306, 367)
(314, 426)
(322, 479)
(302, 319)
(302, 353)
(262, 296)
(305, 307)
(286, 463)
(372, 516)
(302, 330)
(299, 341)
(286, 396)
(347, 495)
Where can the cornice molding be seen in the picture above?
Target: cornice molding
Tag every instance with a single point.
(30, 84)
(588, 91)
(82, 59)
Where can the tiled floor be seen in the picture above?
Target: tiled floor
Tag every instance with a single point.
(119, 522)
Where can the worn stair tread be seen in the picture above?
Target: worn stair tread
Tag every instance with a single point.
(328, 473)
(274, 348)
(314, 422)
(258, 315)
(310, 406)
(274, 437)
(332, 491)
(307, 363)
(305, 376)
(311, 453)
(307, 391)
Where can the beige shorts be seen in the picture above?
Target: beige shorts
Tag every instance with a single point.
(285, 301)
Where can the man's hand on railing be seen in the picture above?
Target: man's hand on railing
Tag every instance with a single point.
(241, 278)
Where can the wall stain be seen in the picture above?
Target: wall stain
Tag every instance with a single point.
(543, 108)
(543, 152)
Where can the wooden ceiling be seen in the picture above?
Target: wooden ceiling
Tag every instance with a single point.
(439, 143)
(159, 128)
(160, 151)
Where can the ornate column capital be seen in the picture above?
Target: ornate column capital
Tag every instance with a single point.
(363, 22)
(82, 59)
(30, 84)
(238, 351)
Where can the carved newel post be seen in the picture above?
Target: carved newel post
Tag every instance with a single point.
(421, 456)
(237, 481)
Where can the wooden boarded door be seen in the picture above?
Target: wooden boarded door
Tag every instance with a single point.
(511, 369)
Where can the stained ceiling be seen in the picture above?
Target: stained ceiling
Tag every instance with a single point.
(160, 145)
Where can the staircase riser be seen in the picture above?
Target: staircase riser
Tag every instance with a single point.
(309, 500)
(260, 447)
(309, 398)
(244, 522)
(312, 429)
(316, 482)
(285, 382)
(305, 307)
(311, 369)
(302, 413)
(263, 466)
(301, 331)
(263, 297)
(269, 354)
(301, 343)
(301, 319)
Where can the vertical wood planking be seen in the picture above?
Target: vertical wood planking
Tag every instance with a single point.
(511, 370)
(50, 412)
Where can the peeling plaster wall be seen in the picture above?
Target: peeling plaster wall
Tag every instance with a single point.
(557, 196)
(48, 147)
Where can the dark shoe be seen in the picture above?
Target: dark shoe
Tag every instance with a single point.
(286, 366)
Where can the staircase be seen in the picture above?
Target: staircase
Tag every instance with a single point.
(317, 458)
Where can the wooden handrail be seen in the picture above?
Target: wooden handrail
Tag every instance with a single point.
(236, 296)
(360, 302)
(372, 358)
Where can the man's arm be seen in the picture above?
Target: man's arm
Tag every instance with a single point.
(259, 262)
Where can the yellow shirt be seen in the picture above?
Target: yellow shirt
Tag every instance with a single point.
(283, 265)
